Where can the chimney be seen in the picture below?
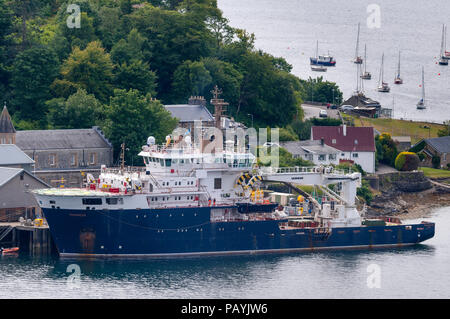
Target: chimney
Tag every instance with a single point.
(197, 100)
(344, 130)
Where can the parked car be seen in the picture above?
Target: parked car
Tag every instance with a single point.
(333, 106)
(323, 113)
(346, 108)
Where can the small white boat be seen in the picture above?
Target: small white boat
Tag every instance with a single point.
(358, 59)
(366, 75)
(444, 55)
(318, 68)
(398, 79)
(421, 104)
(383, 86)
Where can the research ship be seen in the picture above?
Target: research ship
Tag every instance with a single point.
(191, 201)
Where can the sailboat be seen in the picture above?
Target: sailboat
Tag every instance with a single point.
(315, 65)
(421, 104)
(366, 75)
(446, 53)
(325, 60)
(398, 79)
(358, 59)
(382, 86)
(443, 60)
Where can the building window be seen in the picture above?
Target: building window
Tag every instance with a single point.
(73, 160)
(92, 158)
(52, 160)
(333, 141)
(332, 157)
(322, 157)
(355, 155)
(356, 142)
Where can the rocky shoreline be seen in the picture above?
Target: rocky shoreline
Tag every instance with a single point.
(409, 205)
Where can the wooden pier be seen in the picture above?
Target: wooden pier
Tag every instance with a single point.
(32, 240)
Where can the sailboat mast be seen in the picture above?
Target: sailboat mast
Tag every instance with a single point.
(398, 71)
(357, 43)
(365, 58)
(423, 85)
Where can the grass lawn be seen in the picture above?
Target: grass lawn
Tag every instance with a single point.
(400, 127)
(435, 173)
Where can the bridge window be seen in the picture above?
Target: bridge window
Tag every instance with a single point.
(114, 201)
(217, 183)
(92, 201)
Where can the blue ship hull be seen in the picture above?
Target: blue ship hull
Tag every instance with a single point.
(189, 231)
(314, 61)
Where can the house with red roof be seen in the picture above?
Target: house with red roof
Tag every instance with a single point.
(357, 144)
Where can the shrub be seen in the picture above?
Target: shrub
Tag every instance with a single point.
(436, 161)
(407, 161)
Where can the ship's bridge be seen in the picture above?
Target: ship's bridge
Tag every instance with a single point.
(159, 158)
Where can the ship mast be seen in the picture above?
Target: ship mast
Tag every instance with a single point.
(122, 156)
(219, 106)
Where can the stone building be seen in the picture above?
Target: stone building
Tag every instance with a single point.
(188, 114)
(61, 156)
(438, 147)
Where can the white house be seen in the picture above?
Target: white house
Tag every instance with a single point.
(315, 151)
(357, 144)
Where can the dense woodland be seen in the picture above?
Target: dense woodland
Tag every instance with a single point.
(129, 57)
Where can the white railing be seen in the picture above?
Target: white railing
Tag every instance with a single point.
(302, 169)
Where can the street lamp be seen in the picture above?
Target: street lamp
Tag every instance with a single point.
(332, 102)
(251, 116)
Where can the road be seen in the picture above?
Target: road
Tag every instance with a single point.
(313, 111)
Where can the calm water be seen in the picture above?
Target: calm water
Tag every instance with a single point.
(290, 28)
(421, 271)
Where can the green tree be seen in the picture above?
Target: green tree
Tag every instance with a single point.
(131, 117)
(32, 73)
(136, 75)
(173, 37)
(318, 90)
(386, 149)
(445, 131)
(90, 69)
(80, 110)
(131, 48)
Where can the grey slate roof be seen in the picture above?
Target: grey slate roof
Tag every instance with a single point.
(308, 147)
(6, 125)
(440, 144)
(60, 139)
(189, 113)
(8, 173)
(10, 154)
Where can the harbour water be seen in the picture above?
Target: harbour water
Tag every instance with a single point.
(415, 272)
(290, 29)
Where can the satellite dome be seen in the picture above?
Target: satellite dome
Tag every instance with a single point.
(151, 140)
